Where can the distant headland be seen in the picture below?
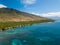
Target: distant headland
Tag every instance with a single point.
(11, 18)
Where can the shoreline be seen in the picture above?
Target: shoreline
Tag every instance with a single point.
(8, 25)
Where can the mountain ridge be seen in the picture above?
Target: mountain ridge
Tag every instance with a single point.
(9, 14)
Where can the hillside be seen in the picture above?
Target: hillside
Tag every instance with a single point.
(7, 14)
(11, 18)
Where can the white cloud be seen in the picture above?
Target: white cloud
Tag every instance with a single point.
(35, 13)
(28, 2)
(52, 14)
(2, 6)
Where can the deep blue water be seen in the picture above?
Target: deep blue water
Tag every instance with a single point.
(36, 34)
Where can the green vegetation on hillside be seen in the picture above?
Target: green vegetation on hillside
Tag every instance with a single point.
(8, 25)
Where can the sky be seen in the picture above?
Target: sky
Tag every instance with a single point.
(45, 8)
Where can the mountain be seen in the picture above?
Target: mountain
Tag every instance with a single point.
(11, 18)
(8, 15)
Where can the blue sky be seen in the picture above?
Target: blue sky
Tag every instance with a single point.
(40, 7)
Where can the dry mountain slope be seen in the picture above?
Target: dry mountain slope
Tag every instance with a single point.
(11, 18)
(8, 14)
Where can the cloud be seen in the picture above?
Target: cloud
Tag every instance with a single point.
(28, 2)
(2, 6)
(51, 14)
(35, 13)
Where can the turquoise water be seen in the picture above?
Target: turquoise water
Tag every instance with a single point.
(36, 34)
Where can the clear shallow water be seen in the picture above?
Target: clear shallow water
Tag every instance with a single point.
(37, 34)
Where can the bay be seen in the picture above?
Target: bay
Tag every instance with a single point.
(36, 34)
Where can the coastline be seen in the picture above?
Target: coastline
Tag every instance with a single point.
(8, 25)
